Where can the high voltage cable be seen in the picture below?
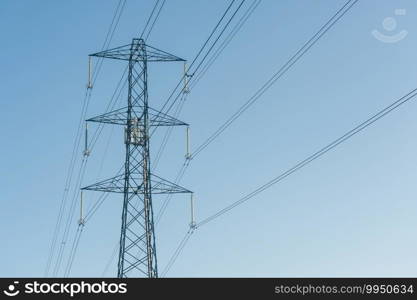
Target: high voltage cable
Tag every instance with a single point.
(111, 258)
(94, 208)
(110, 106)
(167, 134)
(169, 196)
(217, 53)
(70, 217)
(332, 21)
(68, 181)
(205, 56)
(177, 252)
(329, 24)
(300, 53)
(226, 41)
(87, 98)
(197, 56)
(297, 167)
(181, 173)
(154, 21)
(149, 18)
(109, 38)
(74, 248)
(314, 156)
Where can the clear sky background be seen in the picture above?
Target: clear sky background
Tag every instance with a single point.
(352, 212)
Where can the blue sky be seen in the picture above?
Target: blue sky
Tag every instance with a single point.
(350, 213)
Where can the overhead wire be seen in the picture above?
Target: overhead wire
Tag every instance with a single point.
(69, 217)
(217, 53)
(195, 59)
(287, 66)
(109, 37)
(293, 59)
(325, 28)
(225, 42)
(154, 21)
(382, 113)
(204, 57)
(111, 258)
(74, 248)
(66, 189)
(177, 252)
(149, 18)
(73, 160)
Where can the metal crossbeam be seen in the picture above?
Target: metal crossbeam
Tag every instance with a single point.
(120, 117)
(140, 53)
(116, 185)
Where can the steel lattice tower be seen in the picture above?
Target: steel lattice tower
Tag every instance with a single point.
(137, 254)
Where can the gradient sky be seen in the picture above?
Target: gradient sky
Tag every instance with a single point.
(352, 212)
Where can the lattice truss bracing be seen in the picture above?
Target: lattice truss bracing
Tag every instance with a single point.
(137, 254)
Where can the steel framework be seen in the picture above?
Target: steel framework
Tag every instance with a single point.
(137, 254)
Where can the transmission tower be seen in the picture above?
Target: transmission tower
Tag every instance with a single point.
(137, 254)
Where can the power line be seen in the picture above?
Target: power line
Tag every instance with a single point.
(109, 36)
(111, 258)
(409, 96)
(149, 18)
(85, 159)
(196, 57)
(61, 250)
(182, 171)
(314, 156)
(331, 22)
(209, 63)
(348, 5)
(226, 41)
(167, 134)
(169, 197)
(66, 188)
(110, 106)
(154, 21)
(73, 159)
(177, 252)
(300, 53)
(74, 249)
(207, 53)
